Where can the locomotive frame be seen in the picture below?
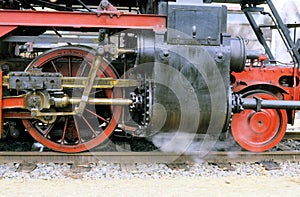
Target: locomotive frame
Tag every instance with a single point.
(50, 94)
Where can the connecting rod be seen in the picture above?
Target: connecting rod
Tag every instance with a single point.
(89, 83)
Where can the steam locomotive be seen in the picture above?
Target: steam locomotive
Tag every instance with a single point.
(75, 73)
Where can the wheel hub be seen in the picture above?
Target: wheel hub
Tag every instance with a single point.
(259, 122)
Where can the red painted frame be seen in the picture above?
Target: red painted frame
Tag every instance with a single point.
(4, 29)
(267, 76)
(10, 19)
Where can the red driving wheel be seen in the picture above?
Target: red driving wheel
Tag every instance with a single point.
(76, 133)
(262, 130)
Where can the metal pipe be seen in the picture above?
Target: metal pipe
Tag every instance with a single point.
(102, 101)
(259, 34)
(64, 101)
(286, 34)
(258, 104)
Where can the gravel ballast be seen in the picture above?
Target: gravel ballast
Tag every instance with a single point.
(103, 170)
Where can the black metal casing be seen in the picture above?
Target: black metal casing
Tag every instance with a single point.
(191, 71)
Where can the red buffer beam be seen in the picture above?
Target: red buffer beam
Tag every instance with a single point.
(80, 20)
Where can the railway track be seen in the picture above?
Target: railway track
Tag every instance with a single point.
(293, 134)
(145, 157)
(152, 157)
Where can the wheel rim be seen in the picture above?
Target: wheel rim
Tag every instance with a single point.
(74, 133)
(259, 131)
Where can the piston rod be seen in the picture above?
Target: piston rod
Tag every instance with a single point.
(258, 104)
(64, 101)
(102, 101)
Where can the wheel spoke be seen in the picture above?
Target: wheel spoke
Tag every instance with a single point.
(101, 118)
(96, 92)
(48, 130)
(38, 125)
(77, 132)
(90, 126)
(54, 66)
(70, 66)
(82, 68)
(65, 130)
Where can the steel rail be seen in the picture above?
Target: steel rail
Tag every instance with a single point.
(145, 157)
(295, 135)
